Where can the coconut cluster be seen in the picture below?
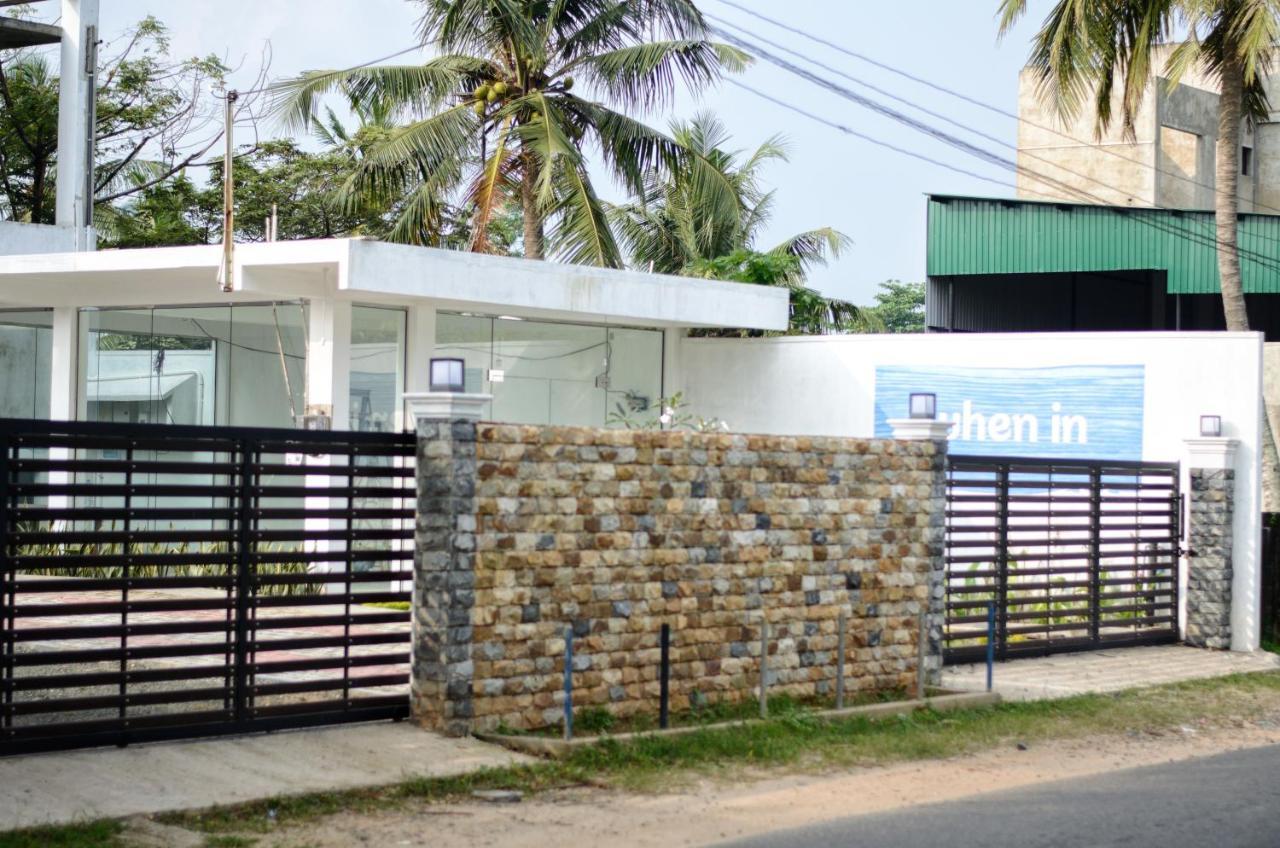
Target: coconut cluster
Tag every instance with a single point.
(491, 92)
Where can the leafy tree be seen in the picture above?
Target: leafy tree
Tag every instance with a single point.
(811, 312)
(673, 223)
(1100, 48)
(154, 120)
(503, 119)
(28, 138)
(900, 306)
(174, 212)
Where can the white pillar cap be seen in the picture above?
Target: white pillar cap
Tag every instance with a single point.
(920, 429)
(445, 406)
(1211, 453)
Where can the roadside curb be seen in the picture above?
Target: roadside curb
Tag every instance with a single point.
(560, 748)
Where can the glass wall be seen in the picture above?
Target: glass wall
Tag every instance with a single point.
(25, 362)
(174, 365)
(377, 367)
(543, 372)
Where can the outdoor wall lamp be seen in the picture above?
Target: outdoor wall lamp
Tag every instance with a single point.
(922, 405)
(447, 375)
(1211, 426)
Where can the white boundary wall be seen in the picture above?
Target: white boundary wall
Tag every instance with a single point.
(826, 386)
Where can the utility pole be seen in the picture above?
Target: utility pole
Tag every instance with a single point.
(226, 274)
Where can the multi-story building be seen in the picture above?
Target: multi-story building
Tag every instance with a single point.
(1165, 160)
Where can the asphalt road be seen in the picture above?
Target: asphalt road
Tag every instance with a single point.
(1228, 801)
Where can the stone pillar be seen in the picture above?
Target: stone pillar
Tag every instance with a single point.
(932, 430)
(1210, 516)
(444, 560)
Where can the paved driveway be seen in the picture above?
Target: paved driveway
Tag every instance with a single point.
(1062, 675)
(111, 782)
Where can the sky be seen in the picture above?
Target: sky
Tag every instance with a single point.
(874, 195)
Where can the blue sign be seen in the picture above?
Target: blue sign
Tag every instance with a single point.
(1084, 411)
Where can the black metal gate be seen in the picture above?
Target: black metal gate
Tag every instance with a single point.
(161, 582)
(1074, 554)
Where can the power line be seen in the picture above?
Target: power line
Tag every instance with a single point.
(964, 146)
(849, 131)
(959, 95)
(362, 65)
(881, 91)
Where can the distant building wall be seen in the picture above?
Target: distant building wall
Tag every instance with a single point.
(1168, 161)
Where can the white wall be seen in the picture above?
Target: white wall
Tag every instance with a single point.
(826, 386)
(17, 239)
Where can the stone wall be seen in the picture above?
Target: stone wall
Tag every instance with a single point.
(525, 532)
(1209, 572)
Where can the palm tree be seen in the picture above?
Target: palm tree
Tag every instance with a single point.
(673, 228)
(672, 224)
(1094, 48)
(498, 113)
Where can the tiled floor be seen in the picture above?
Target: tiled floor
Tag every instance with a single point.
(1104, 671)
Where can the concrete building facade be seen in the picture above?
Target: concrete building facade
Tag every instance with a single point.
(1167, 162)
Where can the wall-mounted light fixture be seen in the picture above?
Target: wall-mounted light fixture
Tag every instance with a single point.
(447, 375)
(922, 405)
(1211, 426)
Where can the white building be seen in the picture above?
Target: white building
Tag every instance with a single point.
(342, 328)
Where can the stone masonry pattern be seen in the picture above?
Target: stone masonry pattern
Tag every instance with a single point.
(612, 533)
(1209, 573)
(444, 576)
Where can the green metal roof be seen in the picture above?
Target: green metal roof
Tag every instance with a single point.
(973, 235)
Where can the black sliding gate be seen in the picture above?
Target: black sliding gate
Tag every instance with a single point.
(1074, 555)
(162, 582)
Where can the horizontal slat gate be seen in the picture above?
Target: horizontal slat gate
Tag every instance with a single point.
(1074, 554)
(163, 582)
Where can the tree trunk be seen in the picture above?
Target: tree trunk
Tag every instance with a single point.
(1226, 200)
(533, 223)
(1226, 213)
(38, 184)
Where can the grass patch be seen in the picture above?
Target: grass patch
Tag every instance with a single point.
(796, 740)
(399, 606)
(598, 721)
(99, 834)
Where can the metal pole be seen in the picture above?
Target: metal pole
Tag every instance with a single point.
(226, 276)
(91, 120)
(991, 642)
(922, 654)
(841, 626)
(664, 679)
(568, 682)
(764, 668)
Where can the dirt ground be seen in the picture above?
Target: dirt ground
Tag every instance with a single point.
(715, 811)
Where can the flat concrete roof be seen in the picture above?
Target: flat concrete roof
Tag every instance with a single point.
(369, 271)
(15, 34)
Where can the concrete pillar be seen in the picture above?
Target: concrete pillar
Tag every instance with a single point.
(1210, 527)
(329, 360)
(444, 561)
(74, 97)
(64, 366)
(932, 430)
(672, 366)
(420, 346)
